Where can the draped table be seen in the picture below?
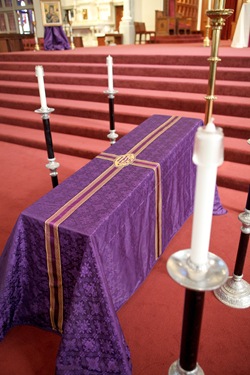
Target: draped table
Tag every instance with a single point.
(77, 254)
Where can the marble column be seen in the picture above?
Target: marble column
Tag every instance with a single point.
(127, 24)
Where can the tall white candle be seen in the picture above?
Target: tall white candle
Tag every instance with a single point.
(40, 74)
(208, 155)
(109, 61)
(219, 4)
(69, 15)
(209, 4)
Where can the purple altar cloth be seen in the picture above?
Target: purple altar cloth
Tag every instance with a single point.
(55, 39)
(94, 239)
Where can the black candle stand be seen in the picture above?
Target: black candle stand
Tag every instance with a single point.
(236, 291)
(112, 132)
(53, 164)
(197, 280)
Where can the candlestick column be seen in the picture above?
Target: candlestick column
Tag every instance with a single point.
(127, 25)
(53, 165)
(197, 269)
(217, 16)
(236, 291)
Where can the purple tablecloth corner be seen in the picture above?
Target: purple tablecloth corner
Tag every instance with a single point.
(55, 39)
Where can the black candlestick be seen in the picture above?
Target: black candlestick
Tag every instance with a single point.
(52, 165)
(191, 327)
(197, 280)
(112, 133)
(111, 113)
(236, 291)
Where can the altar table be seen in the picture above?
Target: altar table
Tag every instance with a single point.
(78, 253)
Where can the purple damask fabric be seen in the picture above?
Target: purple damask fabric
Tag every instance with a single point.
(55, 39)
(81, 251)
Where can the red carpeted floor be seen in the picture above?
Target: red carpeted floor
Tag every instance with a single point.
(152, 318)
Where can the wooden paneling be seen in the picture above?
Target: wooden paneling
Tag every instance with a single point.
(11, 42)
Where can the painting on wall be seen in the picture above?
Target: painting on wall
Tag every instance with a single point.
(51, 13)
(85, 14)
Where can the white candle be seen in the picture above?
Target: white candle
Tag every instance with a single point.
(33, 16)
(209, 4)
(39, 75)
(208, 155)
(109, 61)
(219, 4)
(69, 15)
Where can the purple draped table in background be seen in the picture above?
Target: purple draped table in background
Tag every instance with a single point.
(55, 39)
(77, 254)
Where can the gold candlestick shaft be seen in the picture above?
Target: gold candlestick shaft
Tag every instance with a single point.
(37, 47)
(217, 16)
(72, 45)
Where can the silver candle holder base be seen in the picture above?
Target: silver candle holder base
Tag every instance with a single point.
(44, 112)
(112, 136)
(175, 369)
(208, 277)
(234, 293)
(52, 166)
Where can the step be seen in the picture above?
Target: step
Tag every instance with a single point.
(237, 150)
(124, 114)
(67, 144)
(122, 55)
(181, 71)
(234, 176)
(236, 106)
(241, 89)
(85, 127)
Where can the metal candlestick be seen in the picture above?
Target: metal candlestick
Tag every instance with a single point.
(197, 280)
(112, 132)
(206, 41)
(53, 164)
(217, 17)
(37, 48)
(72, 45)
(236, 291)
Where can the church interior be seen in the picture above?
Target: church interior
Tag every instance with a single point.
(104, 107)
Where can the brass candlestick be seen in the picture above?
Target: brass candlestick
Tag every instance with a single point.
(217, 16)
(72, 45)
(206, 41)
(37, 48)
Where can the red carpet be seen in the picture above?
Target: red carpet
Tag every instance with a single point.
(151, 79)
(152, 318)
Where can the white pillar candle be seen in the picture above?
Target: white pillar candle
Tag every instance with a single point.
(109, 61)
(209, 4)
(40, 74)
(219, 4)
(69, 15)
(208, 155)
